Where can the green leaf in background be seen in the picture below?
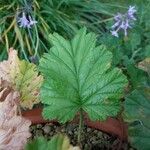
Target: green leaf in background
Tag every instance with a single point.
(114, 45)
(136, 75)
(135, 40)
(137, 111)
(78, 76)
(147, 51)
(58, 142)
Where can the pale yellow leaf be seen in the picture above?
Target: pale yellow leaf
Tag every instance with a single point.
(145, 65)
(23, 77)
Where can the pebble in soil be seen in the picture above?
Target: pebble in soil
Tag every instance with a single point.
(92, 139)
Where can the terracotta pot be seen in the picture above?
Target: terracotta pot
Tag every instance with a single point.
(112, 126)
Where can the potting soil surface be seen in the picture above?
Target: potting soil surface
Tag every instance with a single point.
(92, 139)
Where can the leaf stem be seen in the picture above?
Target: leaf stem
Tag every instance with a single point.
(81, 121)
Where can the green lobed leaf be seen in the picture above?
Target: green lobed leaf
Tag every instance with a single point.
(136, 76)
(78, 75)
(137, 110)
(58, 142)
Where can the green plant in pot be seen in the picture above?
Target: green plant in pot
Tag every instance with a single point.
(79, 79)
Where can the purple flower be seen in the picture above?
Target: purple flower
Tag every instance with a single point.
(26, 22)
(131, 12)
(31, 22)
(118, 17)
(114, 33)
(123, 21)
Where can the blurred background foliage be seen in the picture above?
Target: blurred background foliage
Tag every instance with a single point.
(62, 16)
(65, 17)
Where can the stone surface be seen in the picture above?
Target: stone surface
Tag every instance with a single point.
(46, 129)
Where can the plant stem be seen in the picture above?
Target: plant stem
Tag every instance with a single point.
(80, 126)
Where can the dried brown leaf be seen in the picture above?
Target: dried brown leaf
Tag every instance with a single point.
(14, 129)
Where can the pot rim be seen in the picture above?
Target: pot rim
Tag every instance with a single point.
(111, 126)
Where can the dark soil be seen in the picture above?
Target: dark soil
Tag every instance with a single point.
(92, 139)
